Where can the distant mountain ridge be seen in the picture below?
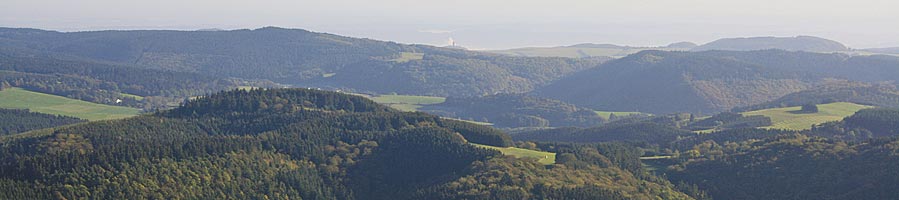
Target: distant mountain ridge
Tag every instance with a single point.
(592, 45)
(304, 58)
(590, 50)
(798, 43)
(710, 81)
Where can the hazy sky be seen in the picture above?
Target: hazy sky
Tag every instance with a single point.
(486, 24)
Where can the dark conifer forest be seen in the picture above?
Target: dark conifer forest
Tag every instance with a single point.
(14, 121)
(298, 143)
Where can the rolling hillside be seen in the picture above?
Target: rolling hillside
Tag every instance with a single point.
(879, 95)
(706, 82)
(106, 82)
(297, 143)
(303, 58)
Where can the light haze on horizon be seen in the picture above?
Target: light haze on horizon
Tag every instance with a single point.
(486, 24)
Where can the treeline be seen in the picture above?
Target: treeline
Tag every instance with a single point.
(882, 122)
(69, 86)
(516, 110)
(863, 125)
(795, 167)
(120, 77)
(113, 84)
(728, 120)
(319, 145)
(14, 121)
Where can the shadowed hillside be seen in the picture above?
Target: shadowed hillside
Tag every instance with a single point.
(711, 81)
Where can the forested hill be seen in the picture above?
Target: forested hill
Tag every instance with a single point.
(516, 110)
(854, 158)
(307, 59)
(107, 82)
(799, 43)
(795, 167)
(298, 144)
(711, 81)
(14, 121)
(879, 95)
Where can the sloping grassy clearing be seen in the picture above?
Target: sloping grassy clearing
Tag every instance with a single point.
(546, 158)
(407, 103)
(408, 56)
(17, 98)
(790, 118)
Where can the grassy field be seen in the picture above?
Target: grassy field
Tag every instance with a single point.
(139, 98)
(469, 121)
(546, 158)
(44, 103)
(408, 99)
(409, 56)
(790, 118)
(606, 114)
(409, 103)
(655, 157)
(406, 102)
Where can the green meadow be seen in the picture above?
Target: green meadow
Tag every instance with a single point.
(546, 158)
(409, 56)
(792, 119)
(406, 103)
(17, 98)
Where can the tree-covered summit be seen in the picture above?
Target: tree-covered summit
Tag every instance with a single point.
(291, 144)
